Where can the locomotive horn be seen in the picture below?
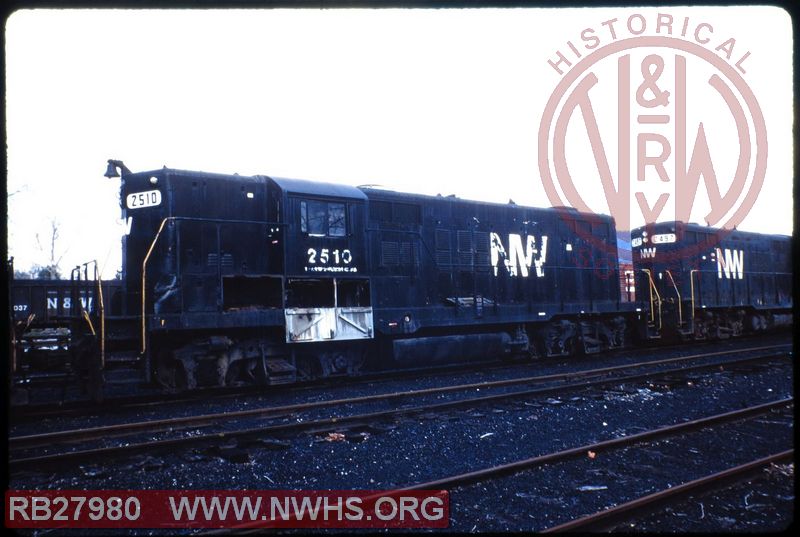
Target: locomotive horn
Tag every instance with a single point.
(111, 171)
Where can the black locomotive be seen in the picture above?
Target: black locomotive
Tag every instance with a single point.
(230, 279)
(699, 282)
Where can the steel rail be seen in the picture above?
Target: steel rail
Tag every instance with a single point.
(73, 435)
(613, 515)
(558, 456)
(44, 410)
(326, 424)
(517, 466)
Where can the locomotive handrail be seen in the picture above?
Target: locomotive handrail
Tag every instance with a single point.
(658, 297)
(102, 309)
(153, 245)
(691, 286)
(100, 306)
(89, 322)
(680, 312)
(74, 294)
(144, 279)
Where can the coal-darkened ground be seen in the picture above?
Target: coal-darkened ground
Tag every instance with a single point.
(763, 503)
(411, 450)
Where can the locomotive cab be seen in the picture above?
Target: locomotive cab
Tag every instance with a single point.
(327, 288)
(229, 273)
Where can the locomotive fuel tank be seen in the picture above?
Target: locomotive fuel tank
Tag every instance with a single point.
(437, 350)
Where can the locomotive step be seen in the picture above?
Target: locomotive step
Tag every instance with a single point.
(111, 318)
(119, 345)
(122, 345)
(65, 319)
(33, 337)
(123, 375)
(280, 371)
(123, 357)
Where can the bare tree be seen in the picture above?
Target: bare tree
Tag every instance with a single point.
(23, 188)
(51, 270)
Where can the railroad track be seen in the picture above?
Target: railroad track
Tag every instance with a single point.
(666, 431)
(597, 447)
(20, 444)
(46, 439)
(208, 419)
(48, 410)
(607, 518)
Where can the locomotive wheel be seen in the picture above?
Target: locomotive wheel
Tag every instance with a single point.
(357, 360)
(261, 373)
(569, 347)
(250, 372)
(170, 375)
(165, 370)
(233, 374)
(181, 377)
(537, 349)
(309, 367)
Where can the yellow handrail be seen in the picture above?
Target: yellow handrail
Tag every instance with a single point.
(88, 320)
(144, 278)
(650, 288)
(691, 285)
(658, 297)
(680, 311)
(102, 309)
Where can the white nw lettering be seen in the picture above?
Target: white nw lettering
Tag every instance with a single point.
(519, 260)
(732, 265)
(647, 252)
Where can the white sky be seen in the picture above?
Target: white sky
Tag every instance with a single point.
(430, 101)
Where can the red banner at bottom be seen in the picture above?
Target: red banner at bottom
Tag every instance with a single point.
(226, 509)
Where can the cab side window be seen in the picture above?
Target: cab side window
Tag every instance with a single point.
(323, 219)
(336, 220)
